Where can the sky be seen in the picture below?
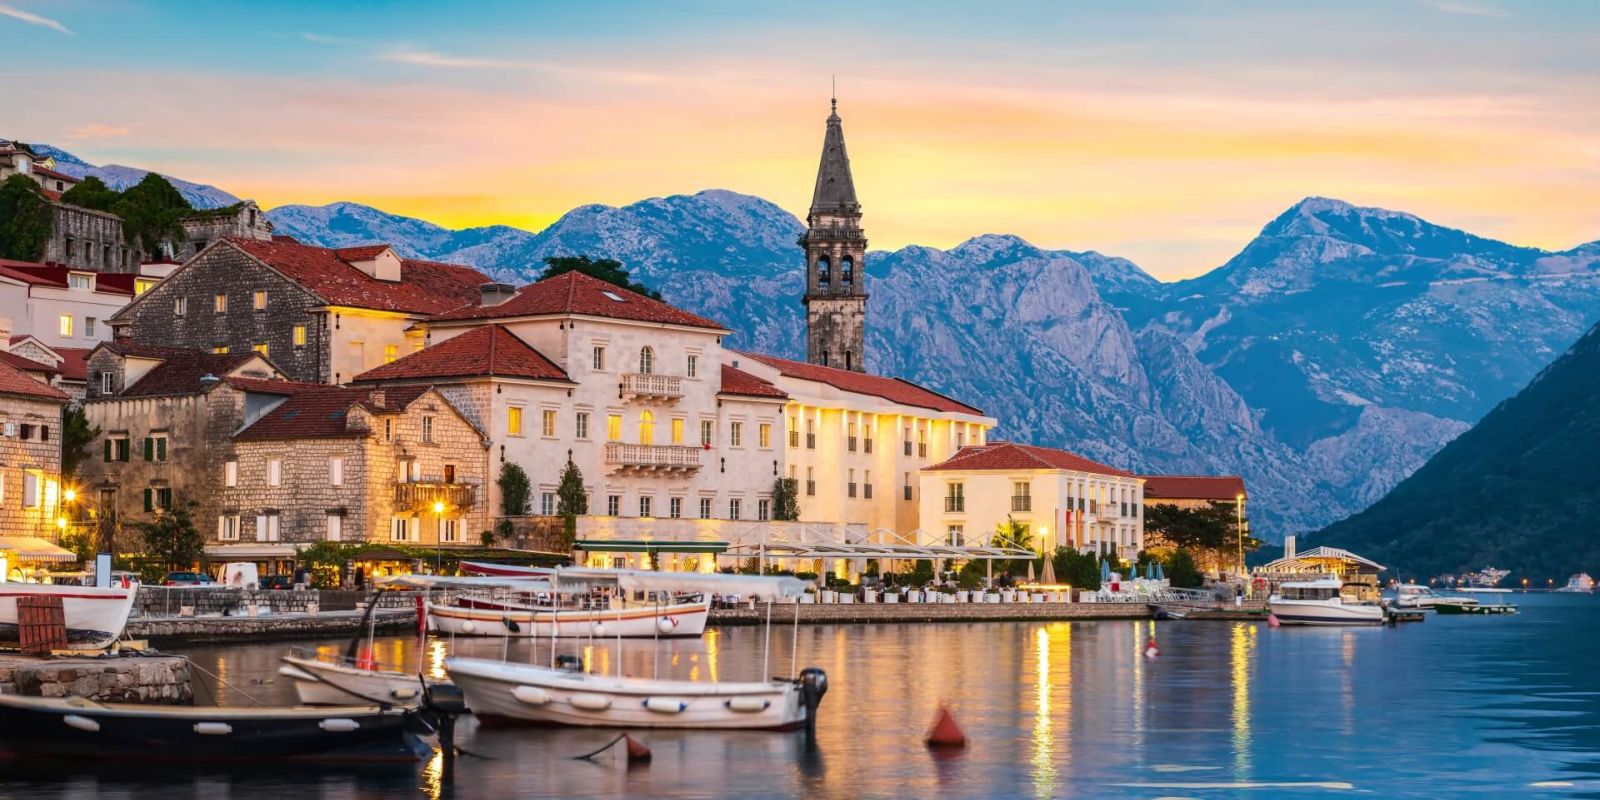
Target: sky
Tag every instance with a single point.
(1165, 132)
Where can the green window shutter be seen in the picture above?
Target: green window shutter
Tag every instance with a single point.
(149, 500)
(108, 450)
(161, 449)
(149, 448)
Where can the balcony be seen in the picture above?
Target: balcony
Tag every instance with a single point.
(647, 459)
(649, 386)
(422, 496)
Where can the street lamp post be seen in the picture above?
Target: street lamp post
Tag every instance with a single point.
(1238, 527)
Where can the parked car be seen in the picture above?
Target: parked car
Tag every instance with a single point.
(277, 582)
(187, 579)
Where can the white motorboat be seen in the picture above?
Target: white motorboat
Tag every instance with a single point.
(1325, 601)
(95, 616)
(321, 680)
(1411, 595)
(468, 616)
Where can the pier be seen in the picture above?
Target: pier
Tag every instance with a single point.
(111, 678)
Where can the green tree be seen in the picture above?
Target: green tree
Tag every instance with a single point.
(1011, 534)
(326, 561)
(152, 211)
(571, 502)
(1183, 572)
(76, 436)
(785, 499)
(26, 219)
(92, 193)
(172, 537)
(606, 269)
(516, 492)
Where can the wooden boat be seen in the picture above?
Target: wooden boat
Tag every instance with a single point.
(326, 680)
(80, 728)
(1482, 608)
(95, 616)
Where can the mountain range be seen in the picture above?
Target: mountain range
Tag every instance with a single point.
(1339, 350)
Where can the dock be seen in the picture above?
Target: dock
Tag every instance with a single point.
(108, 678)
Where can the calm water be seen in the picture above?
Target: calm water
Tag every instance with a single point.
(1455, 706)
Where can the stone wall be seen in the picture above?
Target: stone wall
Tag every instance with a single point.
(253, 629)
(89, 239)
(244, 219)
(157, 601)
(143, 679)
(36, 459)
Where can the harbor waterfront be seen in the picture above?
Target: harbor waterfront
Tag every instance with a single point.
(1459, 706)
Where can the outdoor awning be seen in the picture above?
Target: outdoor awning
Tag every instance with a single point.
(32, 548)
(872, 550)
(645, 546)
(249, 552)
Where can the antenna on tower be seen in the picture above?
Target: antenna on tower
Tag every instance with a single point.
(834, 92)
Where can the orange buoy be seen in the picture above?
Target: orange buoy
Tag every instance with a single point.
(637, 750)
(1151, 650)
(945, 732)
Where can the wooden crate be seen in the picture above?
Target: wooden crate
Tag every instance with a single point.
(42, 624)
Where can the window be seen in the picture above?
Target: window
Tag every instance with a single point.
(764, 435)
(614, 427)
(449, 473)
(427, 430)
(850, 485)
(847, 268)
(76, 280)
(449, 530)
(811, 434)
(180, 306)
(734, 505)
(219, 303)
(88, 327)
(388, 429)
(961, 438)
(736, 434)
(794, 432)
(598, 359)
(866, 485)
(647, 427)
(908, 440)
(390, 353)
(675, 507)
(117, 448)
(677, 430)
(955, 536)
(547, 423)
(955, 499)
(335, 527)
(547, 503)
(824, 271)
(336, 471)
(259, 300)
(705, 508)
(261, 347)
(647, 360)
(763, 509)
(1021, 496)
(155, 448)
(811, 482)
(400, 529)
(228, 527)
(142, 285)
(274, 472)
(25, 431)
(163, 498)
(30, 490)
(230, 473)
(922, 442)
(644, 505)
(708, 430)
(850, 440)
(581, 429)
(613, 505)
(866, 443)
(44, 434)
(908, 486)
(108, 383)
(692, 365)
(65, 326)
(514, 421)
(220, 349)
(299, 336)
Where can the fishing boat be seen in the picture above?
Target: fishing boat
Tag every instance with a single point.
(95, 616)
(80, 728)
(1325, 601)
(1484, 608)
(1411, 595)
(325, 679)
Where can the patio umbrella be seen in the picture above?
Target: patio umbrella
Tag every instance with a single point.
(1105, 571)
(1030, 570)
(1049, 576)
(1160, 573)
(1150, 571)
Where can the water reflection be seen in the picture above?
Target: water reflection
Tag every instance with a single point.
(1240, 644)
(1044, 771)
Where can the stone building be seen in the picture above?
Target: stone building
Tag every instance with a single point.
(244, 220)
(86, 239)
(836, 248)
(322, 315)
(30, 453)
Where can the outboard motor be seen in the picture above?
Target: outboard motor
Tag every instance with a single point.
(813, 685)
(443, 702)
(569, 662)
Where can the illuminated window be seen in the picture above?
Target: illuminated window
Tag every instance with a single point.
(259, 300)
(219, 303)
(514, 421)
(390, 353)
(260, 347)
(614, 428)
(220, 349)
(764, 435)
(299, 336)
(677, 430)
(647, 427)
(142, 285)
(66, 325)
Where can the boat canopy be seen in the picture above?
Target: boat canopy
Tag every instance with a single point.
(521, 584)
(874, 550)
(1320, 583)
(1323, 560)
(757, 586)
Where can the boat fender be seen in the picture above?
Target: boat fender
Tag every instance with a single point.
(665, 705)
(339, 725)
(748, 704)
(666, 624)
(81, 723)
(589, 702)
(468, 627)
(404, 692)
(532, 695)
(213, 728)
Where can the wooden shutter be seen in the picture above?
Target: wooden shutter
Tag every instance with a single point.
(149, 500)
(149, 448)
(161, 449)
(108, 450)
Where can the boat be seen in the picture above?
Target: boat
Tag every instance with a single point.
(1325, 601)
(95, 616)
(1580, 582)
(489, 617)
(1485, 608)
(1411, 595)
(80, 728)
(322, 679)
(488, 570)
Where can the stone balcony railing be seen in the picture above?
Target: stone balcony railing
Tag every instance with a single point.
(652, 458)
(421, 496)
(652, 386)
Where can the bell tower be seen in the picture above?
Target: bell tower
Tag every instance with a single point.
(836, 248)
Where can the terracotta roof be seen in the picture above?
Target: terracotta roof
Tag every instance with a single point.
(895, 390)
(425, 287)
(27, 364)
(313, 413)
(481, 352)
(1013, 456)
(737, 381)
(56, 276)
(74, 364)
(577, 293)
(1193, 487)
(17, 383)
(180, 373)
(50, 173)
(270, 386)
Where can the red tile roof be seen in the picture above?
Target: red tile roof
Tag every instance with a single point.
(74, 364)
(425, 287)
(17, 383)
(737, 381)
(27, 364)
(894, 390)
(312, 413)
(1012, 456)
(577, 293)
(481, 352)
(180, 372)
(50, 173)
(56, 277)
(270, 386)
(1193, 487)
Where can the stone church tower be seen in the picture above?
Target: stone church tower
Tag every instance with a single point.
(836, 247)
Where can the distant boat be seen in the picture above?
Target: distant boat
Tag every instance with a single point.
(323, 680)
(1485, 608)
(1324, 601)
(1411, 595)
(1580, 582)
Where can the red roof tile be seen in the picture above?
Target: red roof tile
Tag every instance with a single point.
(312, 413)
(17, 383)
(56, 277)
(74, 364)
(181, 372)
(481, 352)
(895, 390)
(577, 293)
(737, 381)
(50, 173)
(425, 287)
(1012, 456)
(1193, 487)
(27, 364)
(270, 386)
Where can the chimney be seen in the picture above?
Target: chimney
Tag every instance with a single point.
(378, 398)
(1288, 546)
(493, 294)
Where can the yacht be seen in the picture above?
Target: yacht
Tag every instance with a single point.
(1326, 601)
(1411, 595)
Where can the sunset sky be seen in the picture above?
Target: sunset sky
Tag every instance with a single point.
(1165, 132)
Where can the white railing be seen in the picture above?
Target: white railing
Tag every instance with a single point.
(642, 384)
(652, 456)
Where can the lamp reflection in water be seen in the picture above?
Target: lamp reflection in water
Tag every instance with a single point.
(1241, 647)
(1347, 698)
(437, 650)
(433, 776)
(713, 649)
(1046, 772)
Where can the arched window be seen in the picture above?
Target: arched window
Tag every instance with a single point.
(824, 271)
(647, 427)
(847, 269)
(647, 360)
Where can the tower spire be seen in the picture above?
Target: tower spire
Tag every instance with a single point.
(836, 249)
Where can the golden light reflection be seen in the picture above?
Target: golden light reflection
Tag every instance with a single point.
(713, 649)
(433, 776)
(1044, 768)
(1347, 696)
(437, 651)
(1240, 648)
(588, 658)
